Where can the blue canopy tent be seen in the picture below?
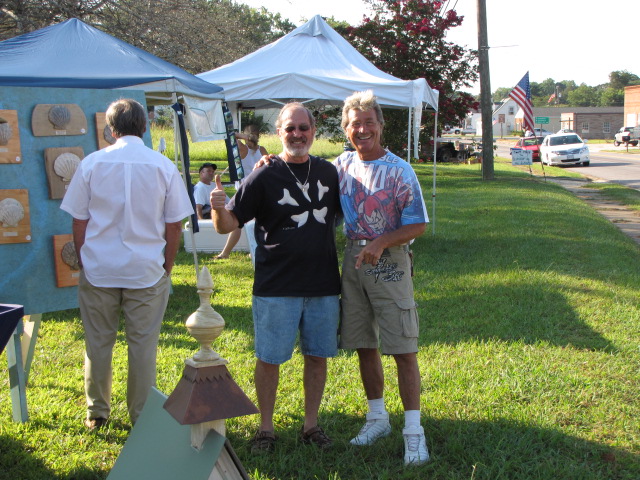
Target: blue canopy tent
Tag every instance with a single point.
(73, 54)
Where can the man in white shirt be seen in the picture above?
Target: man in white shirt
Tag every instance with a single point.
(202, 190)
(127, 202)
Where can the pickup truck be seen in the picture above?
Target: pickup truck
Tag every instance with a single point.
(627, 135)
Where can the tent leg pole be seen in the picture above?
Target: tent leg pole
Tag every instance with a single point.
(433, 193)
(409, 137)
(178, 148)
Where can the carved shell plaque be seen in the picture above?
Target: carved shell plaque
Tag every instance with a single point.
(6, 132)
(11, 212)
(65, 165)
(69, 256)
(108, 137)
(59, 116)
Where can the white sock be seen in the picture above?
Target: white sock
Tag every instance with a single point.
(411, 418)
(376, 405)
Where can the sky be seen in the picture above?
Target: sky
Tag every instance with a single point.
(579, 40)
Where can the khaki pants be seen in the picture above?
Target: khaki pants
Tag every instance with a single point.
(143, 310)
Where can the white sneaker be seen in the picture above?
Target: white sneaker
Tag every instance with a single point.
(415, 446)
(377, 426)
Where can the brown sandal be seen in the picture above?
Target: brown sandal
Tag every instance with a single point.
(263, 441)
(316, 436)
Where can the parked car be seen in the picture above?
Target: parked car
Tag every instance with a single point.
(529, 143)
(627, 135)
(564, 149)
(460, 130)
(541, 132)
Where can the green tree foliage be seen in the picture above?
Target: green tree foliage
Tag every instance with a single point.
(407, 38)
(622, 78)
(197, 35)
(567, 93)
(584, 96)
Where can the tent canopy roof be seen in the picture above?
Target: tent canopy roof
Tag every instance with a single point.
(313, 62)
(73, 54)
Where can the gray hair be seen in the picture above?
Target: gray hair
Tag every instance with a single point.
(291, 105)
(364, 101)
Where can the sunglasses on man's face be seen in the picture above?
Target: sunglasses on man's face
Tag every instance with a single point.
(303, 128)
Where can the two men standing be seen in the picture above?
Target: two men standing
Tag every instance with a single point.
(382, 204)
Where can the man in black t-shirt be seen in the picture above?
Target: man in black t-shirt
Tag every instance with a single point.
(297, 281)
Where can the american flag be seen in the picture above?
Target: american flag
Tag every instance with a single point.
(522, 96)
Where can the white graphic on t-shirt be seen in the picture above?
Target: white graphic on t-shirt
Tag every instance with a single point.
(321, 191)
(320, 214)
(301, 218)
(287, 199)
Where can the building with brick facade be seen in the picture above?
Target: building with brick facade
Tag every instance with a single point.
(632, 106)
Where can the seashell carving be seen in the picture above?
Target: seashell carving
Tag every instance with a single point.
(66, 165)
(106, 133)
(59, 116)
(5, 132)
(11, 212)
(69, 256)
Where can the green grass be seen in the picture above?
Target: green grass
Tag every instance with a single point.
(529, 354)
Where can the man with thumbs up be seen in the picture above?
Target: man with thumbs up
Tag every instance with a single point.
(297, 281)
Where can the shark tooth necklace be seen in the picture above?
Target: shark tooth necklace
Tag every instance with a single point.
(304, 187)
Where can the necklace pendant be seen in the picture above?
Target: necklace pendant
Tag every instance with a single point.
(304, 188)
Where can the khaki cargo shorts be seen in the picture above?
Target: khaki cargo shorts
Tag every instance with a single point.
(378, 308)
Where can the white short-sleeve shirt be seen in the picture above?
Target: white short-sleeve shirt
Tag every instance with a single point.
(127, 192)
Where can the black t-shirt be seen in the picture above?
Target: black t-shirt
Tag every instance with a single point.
(296, 254)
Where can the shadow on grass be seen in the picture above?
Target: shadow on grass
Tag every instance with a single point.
(460, 449)
(527, 312)
(18, 463)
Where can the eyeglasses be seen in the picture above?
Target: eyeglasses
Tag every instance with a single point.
(303, 128)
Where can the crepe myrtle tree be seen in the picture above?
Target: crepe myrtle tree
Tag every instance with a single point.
(407, 39)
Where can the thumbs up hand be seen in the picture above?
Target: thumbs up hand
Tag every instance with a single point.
(218, 198)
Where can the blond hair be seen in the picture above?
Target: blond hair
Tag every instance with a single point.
(364, 101)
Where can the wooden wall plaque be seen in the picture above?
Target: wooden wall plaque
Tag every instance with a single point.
(103, 132)
(9, 137)
(57, 162)
(66, 261)
(55, 119)
(15, 222)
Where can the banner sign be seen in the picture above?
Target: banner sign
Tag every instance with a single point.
(521, 157)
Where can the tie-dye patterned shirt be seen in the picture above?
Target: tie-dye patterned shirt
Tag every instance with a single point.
(378, 196)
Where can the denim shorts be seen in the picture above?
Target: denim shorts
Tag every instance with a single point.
(277, 321)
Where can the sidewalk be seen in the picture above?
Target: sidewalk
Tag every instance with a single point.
(626, 219)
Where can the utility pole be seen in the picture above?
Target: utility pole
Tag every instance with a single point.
(485, 93)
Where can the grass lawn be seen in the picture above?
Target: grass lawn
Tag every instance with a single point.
(529, 354)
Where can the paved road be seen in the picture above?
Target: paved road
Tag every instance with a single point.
(622, 168)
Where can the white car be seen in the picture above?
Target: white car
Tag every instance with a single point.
(540, 132)
(564, 149)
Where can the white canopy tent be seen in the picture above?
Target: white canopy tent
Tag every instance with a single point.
(313, 63)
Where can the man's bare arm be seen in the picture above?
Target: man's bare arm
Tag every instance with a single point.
(372, 252)
(224, 221)
(79, 230)
(172, 233)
